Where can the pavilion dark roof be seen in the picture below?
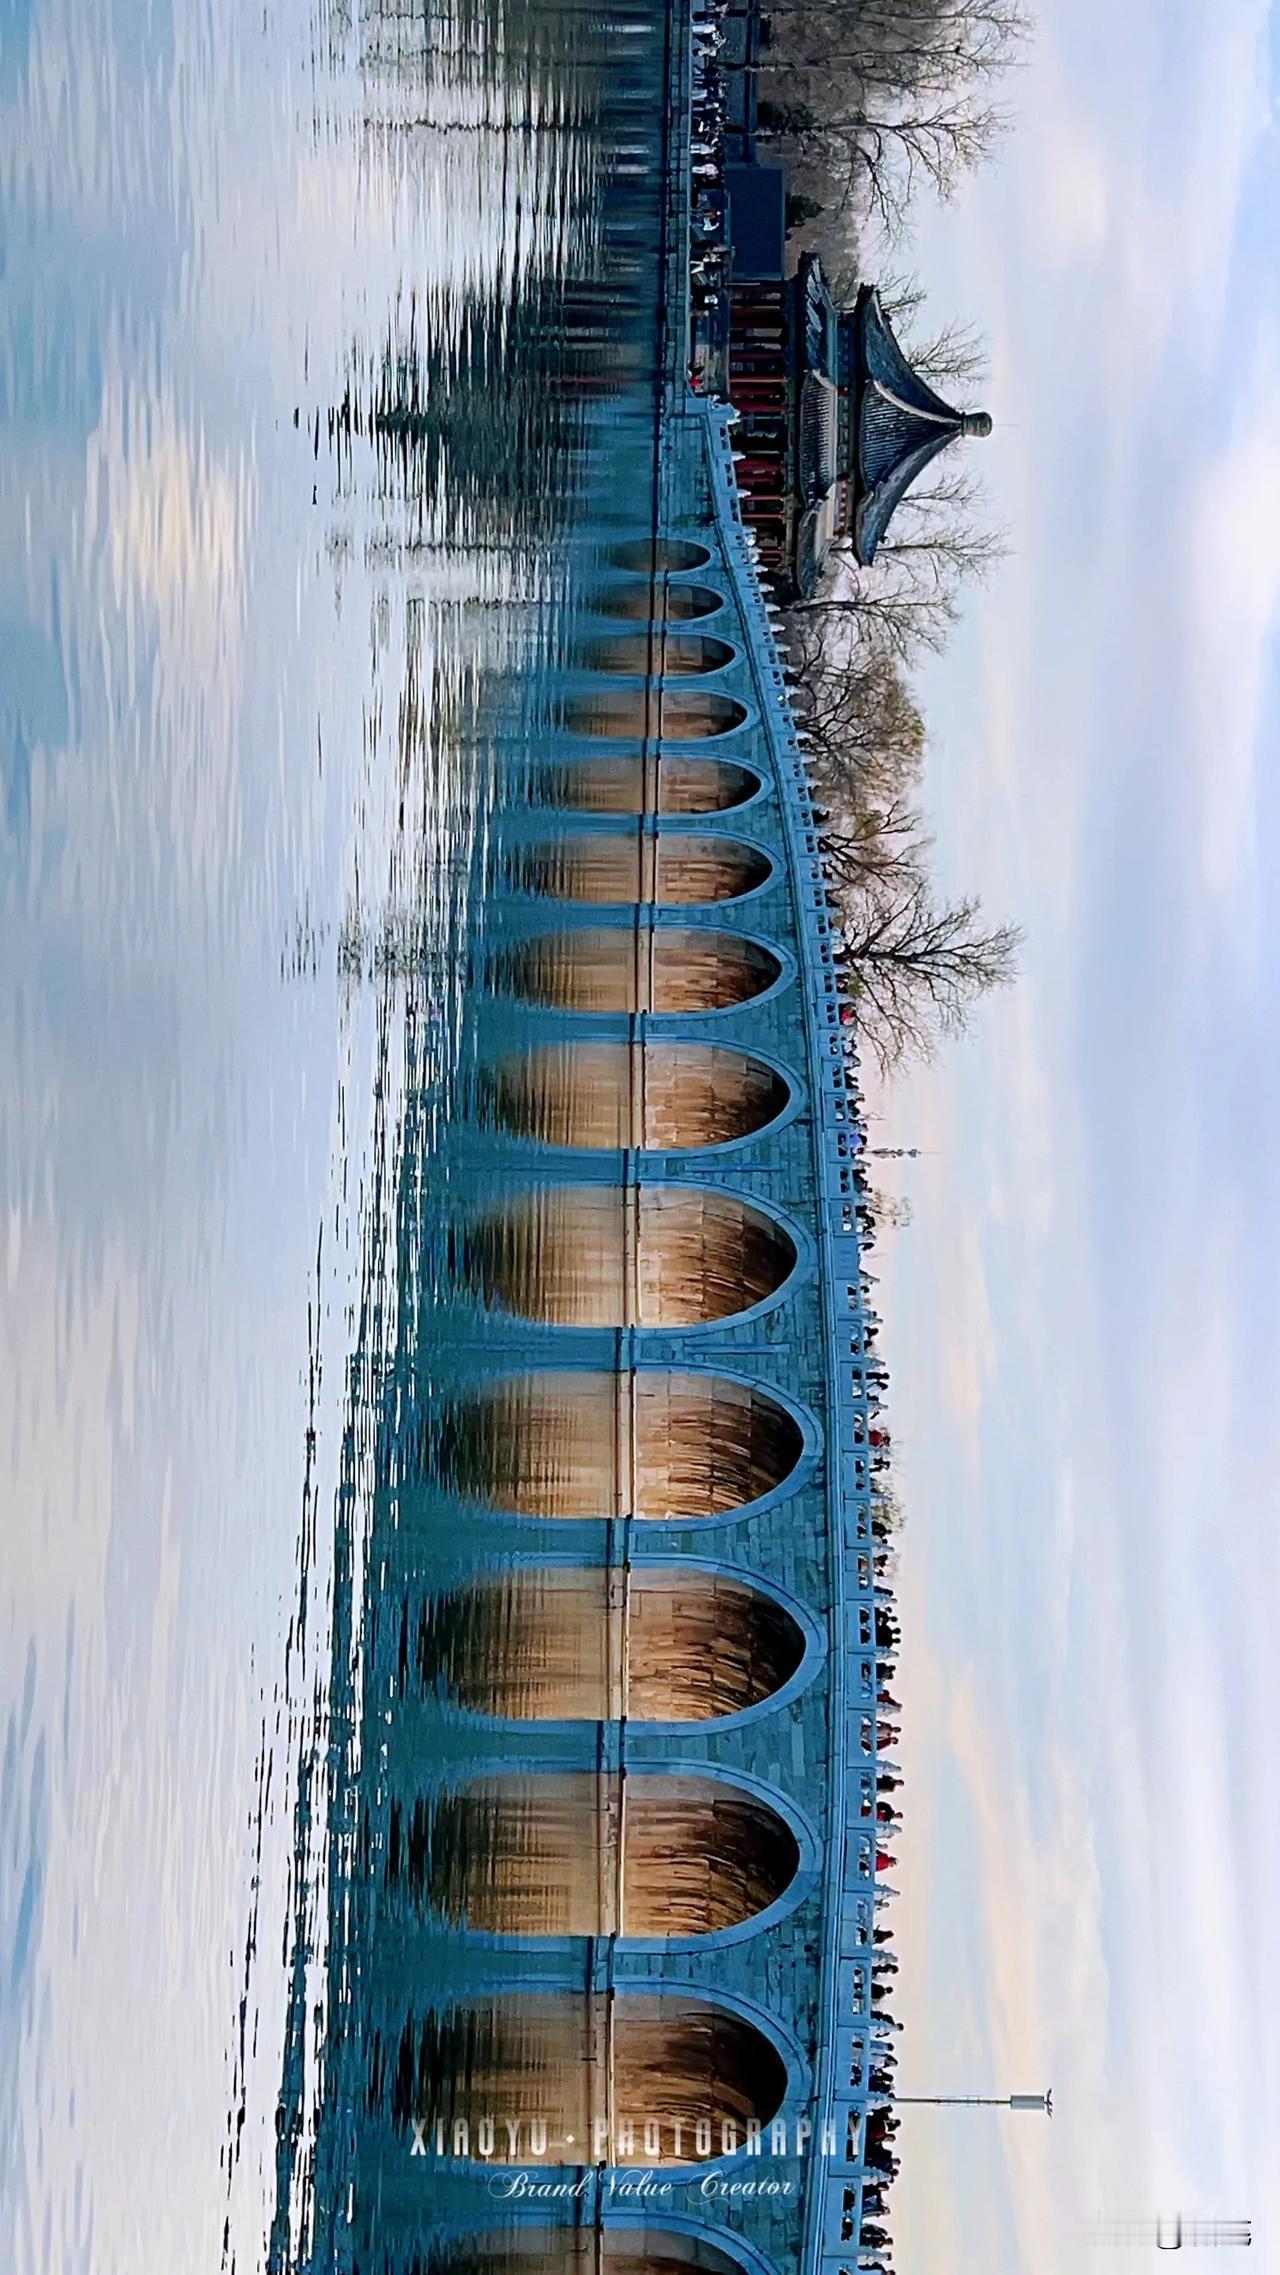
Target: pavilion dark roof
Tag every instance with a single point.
(900, 425)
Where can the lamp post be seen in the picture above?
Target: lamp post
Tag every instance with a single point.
(1040, 2101)
(1173, 2234)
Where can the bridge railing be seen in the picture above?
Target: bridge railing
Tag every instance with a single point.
(844, 2059)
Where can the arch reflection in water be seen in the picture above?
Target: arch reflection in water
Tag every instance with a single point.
(671, 655)
(652, 1445)
(627, 713)
(674, 871)
(655, 1096)
(602, 1256)
(589, 1643)
(654, 602)
(634, 2079)
(574, 1854)
(660, 784)
(660, 556)
(591, 2250)
(645, 968)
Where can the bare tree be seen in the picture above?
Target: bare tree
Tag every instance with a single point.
(895, 1209)
(916, 968)
(904, 616)
(900, 46)
(872, 844)
(941, 531)
(865, 753)
(885, 97)
(954, 357)
(908, 600)
(883, 158)
(865, 734)
(887, 1512)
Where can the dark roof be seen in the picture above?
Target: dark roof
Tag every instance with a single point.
(816, 456)
(900, 425)
(808, 557)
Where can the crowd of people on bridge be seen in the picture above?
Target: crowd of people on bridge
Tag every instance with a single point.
(708, 250)
(708, 280)
(876, 2066)
(883, 1801)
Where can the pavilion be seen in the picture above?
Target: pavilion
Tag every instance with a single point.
(835, 423)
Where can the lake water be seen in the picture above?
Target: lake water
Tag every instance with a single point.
(325, 351)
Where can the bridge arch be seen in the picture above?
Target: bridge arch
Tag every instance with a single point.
(652, 602)
(664, 970)
(654, 1855)
(669, 655)
(618, 714)
(684, 2244)
(652, 1255)
(662, 1446)
(660, 556)
(680, 2062)
(558, 1642)
(625, 2243)
(675, 869)
(651, 1094)
(669, 783)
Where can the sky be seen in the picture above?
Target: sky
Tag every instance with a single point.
(1082, 1323)
(1082, 1319)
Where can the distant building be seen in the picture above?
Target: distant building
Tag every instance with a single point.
(835, 423)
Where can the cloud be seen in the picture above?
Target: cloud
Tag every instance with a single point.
(1081, 1316)
(1074, 190)
(170, 520)
(1234, 605)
